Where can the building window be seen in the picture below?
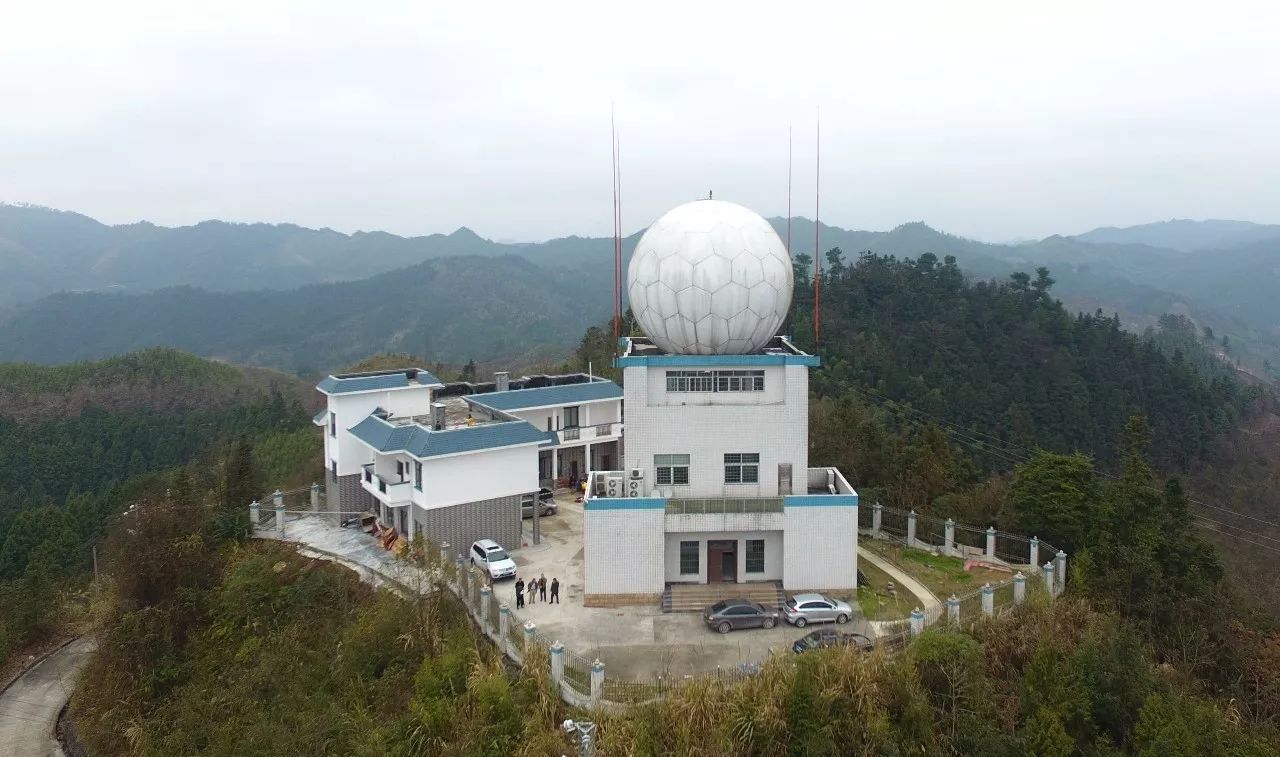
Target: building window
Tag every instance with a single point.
(571, 417)
(688, 558)
(333, 468)
(671, 470)
(417, 475)
(755, 555)
(333, 425)
(742, 468)
(401, 469)
(715, 381)
(548, 423)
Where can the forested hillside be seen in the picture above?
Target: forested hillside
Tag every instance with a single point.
(79, 442)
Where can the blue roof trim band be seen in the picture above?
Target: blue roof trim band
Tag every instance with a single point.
(812, 361)
(422, 442)
(624, 503)
(821, 500)
(565, 394)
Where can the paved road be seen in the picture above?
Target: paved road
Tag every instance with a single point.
(29, 708)
(926, 597)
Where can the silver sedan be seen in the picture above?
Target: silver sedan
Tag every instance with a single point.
(803, 609)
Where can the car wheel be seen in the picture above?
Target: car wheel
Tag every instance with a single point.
(724, 627)
(842, 619)
(769, 622)
(800, 622)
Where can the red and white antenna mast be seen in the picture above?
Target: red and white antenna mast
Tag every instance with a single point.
(817, 232)
(617, 228)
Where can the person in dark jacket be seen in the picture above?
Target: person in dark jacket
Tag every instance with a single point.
(555, 591)
(519, 592)
(542, 588)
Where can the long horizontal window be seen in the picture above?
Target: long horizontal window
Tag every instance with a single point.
(715, 381)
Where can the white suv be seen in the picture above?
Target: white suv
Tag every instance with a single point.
(490, 557)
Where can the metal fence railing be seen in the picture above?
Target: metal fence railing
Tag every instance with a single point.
(718, 506)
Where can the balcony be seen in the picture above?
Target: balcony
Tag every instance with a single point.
(725, 514)
(390, 492)
(603, 431)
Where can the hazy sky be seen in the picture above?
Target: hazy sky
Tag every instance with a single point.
(983, 119)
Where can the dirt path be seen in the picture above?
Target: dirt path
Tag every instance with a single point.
(29, 707)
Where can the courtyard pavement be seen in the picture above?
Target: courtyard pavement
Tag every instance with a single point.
(635, 642)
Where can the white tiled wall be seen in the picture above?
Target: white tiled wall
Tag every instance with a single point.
(623, 551)
(821, 548)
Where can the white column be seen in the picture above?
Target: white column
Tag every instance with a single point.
(949, 537)
(557, 663)
(917, 622)
(485, 602)
(1048, 577)
(529, 630)
(278, 499)
(597, 682)
(253, 515)
(555, 466)
(988, 600)
(1035, 552)
(1060, 570)
(463, 579)
(911, 528)
(877, 517)
(504, 626)
(991, 542)
(315, 496)
(1019, 588)
(953, 609)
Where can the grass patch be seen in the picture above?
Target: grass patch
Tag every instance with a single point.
(876, 603)
(942, 575)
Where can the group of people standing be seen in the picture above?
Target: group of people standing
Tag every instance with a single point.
(537, 590)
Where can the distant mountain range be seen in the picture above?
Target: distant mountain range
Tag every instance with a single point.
(305, 300)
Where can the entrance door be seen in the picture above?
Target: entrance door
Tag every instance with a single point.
(722, 561)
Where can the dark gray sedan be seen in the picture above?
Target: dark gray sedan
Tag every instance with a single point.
(732, 614)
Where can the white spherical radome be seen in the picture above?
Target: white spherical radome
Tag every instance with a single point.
(710, 278)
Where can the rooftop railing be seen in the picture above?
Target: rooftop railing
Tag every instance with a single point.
(724, 505)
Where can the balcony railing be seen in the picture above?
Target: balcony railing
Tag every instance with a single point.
(604, 429)
(570, 434)
(579, 433)
(390, 491)
(720, 506)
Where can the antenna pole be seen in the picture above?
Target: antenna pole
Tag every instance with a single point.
(617, 260)
(817, 232)
(788, 190)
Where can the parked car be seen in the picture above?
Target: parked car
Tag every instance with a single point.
(489, 556)
(803, 609)
(546, 504)
(731, 614)
(830, 637)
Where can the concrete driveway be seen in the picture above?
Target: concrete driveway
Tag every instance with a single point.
(29, 708)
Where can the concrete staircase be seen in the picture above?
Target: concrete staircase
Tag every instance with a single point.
(695, 597)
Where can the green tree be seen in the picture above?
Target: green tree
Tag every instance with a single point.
(1056, 497)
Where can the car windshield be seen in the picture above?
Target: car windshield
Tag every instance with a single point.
(719, 606)
(497, 555)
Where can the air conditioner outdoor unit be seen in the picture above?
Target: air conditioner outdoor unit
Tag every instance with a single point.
(637, 472)
(615, 487)
(633, 489)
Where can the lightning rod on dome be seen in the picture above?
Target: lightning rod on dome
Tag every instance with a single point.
(617, 226)
(817, 230)
(788, 190)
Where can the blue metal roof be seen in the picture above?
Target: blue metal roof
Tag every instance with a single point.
(566, 394)
(422, 442)
(359, 383)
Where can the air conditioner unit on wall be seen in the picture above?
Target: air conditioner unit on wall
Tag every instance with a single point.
(614, 487)
(633, 488)
(637, 473)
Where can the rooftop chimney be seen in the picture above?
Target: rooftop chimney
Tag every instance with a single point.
(501, 381)
(437, 416)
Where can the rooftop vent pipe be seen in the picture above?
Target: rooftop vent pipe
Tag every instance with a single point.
(501, 381)
(437, 416)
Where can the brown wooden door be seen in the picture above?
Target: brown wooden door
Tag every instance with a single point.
(715, 565)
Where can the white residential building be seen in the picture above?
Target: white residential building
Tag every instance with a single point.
(449, 463)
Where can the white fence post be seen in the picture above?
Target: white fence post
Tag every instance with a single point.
(1035, 553)
(504, 626)
(315, 496)
(917, 622)
(877, 517)
(557, 663)
(953, 609)
(278, 500)
(911, 528)
(1060, 570)
(529, 630)
(1048, 577)
(949, 537)
(254, 509)
(991, 542)
(988, 600)
(1019, 588)
(485, 601)
(597, 682)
